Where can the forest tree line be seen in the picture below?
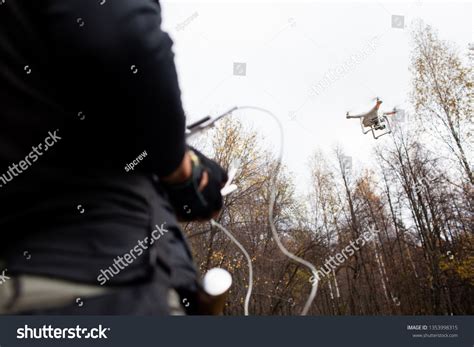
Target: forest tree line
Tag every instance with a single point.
(419, 199)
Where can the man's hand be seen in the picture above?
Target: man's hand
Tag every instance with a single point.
(182, 173)
(194, 187)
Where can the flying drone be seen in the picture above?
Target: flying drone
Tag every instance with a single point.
(374, 120)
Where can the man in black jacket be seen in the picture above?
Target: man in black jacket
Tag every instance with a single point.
(93, 162)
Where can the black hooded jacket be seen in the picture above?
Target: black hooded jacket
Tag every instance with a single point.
(86, 87)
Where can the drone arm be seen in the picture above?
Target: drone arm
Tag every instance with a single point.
(355, 116)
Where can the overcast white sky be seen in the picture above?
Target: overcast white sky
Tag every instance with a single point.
(288, 47)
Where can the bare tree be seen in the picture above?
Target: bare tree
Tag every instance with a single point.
(442, 92)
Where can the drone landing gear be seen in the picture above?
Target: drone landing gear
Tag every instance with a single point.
(381, 123)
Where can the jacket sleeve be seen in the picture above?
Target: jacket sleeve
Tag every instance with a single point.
(119, 53)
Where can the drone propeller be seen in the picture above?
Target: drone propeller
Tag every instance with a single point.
(397, 109)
